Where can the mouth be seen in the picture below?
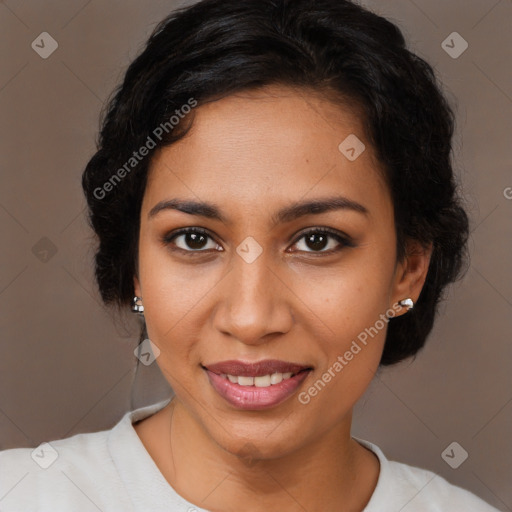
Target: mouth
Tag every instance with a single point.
(254, 386)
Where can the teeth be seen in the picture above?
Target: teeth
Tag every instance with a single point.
(264, 381)
(276, 378)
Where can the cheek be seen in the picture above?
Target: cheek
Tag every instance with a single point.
(351, 302)
(172, 289)
(350, 353)
(172, 297)
(350, 297)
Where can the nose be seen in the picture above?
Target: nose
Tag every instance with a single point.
(254, 303)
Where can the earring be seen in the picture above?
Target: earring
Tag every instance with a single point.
(407, 303)
(137, 306)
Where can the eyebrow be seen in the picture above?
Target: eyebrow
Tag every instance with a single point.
(286, 214)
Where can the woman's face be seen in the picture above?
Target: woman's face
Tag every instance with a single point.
(258, 278)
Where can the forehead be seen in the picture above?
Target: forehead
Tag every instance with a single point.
(267, 145)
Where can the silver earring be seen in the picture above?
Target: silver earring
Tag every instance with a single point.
(407, 303)
(137, 306)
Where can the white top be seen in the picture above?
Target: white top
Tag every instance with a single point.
(112, 471)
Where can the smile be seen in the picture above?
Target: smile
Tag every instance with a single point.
(254, 386)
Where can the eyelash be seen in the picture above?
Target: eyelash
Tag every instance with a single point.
(344, 240)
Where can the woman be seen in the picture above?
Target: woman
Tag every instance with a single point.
(273, 194)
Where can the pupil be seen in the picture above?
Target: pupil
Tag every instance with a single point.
(195, 240)
(316, 241)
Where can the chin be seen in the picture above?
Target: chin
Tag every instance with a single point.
(254, 437)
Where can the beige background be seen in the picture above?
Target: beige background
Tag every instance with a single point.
(66, 367)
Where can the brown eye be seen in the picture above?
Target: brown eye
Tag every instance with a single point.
(318, 240)
(191, 240)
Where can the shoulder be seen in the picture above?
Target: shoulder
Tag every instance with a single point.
(412, 489)
(91, 471)
(46, 454)
(79, 467)
(427, 491)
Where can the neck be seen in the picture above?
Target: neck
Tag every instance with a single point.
(331, 470)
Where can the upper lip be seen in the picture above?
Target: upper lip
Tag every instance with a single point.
(257, 369)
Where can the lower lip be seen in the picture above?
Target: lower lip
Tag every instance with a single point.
(252, 397)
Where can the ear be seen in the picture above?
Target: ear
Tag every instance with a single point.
(411, 273)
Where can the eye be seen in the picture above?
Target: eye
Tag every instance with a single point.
(191, 240)
(318, 239)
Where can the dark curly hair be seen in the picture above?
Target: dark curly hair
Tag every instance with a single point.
(335, 47)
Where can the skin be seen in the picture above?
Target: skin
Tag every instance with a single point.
(251, 154)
